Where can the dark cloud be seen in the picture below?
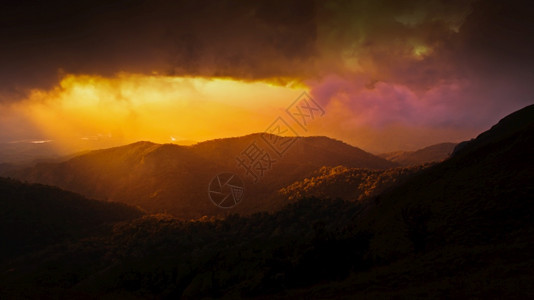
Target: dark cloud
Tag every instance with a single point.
(416, 44)
(245, 39)
(493, 53)
(441, 64)
(404, 73)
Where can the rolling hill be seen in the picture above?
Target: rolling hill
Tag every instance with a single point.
(174, 179)
(350, 184)
(33, 216)
(26, 151)
(434, 153)
(458, 229)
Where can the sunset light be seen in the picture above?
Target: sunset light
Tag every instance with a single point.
(129, 107)
(296, 149)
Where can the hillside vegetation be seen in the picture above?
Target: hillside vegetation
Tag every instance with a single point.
(458, 229)
(174, 179)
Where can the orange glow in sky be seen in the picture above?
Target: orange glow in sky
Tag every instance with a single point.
(128, 108)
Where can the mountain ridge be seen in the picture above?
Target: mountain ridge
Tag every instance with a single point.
(36, 215)
(512, 123)
(461, 228)
(432, 153)
(174, 178)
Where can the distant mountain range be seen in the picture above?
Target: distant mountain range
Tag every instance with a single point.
(174, 179)
(21, 152)
(434, 153)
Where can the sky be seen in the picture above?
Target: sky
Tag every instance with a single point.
(390, 75)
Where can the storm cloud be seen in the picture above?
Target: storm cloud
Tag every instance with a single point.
(434, 64)
(242, 39)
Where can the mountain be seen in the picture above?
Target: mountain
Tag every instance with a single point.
(434, 153)
(513, 124)
(34, 215)
(483, 188)
(27, 151)
(458, 229)
(466, 220)
(351, 184)
(175, 179)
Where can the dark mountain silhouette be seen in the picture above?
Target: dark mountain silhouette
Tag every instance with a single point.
(515, 123)
(434, 153)
(174, 179)
(467, 220)
(458, 229)
(34, 215)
